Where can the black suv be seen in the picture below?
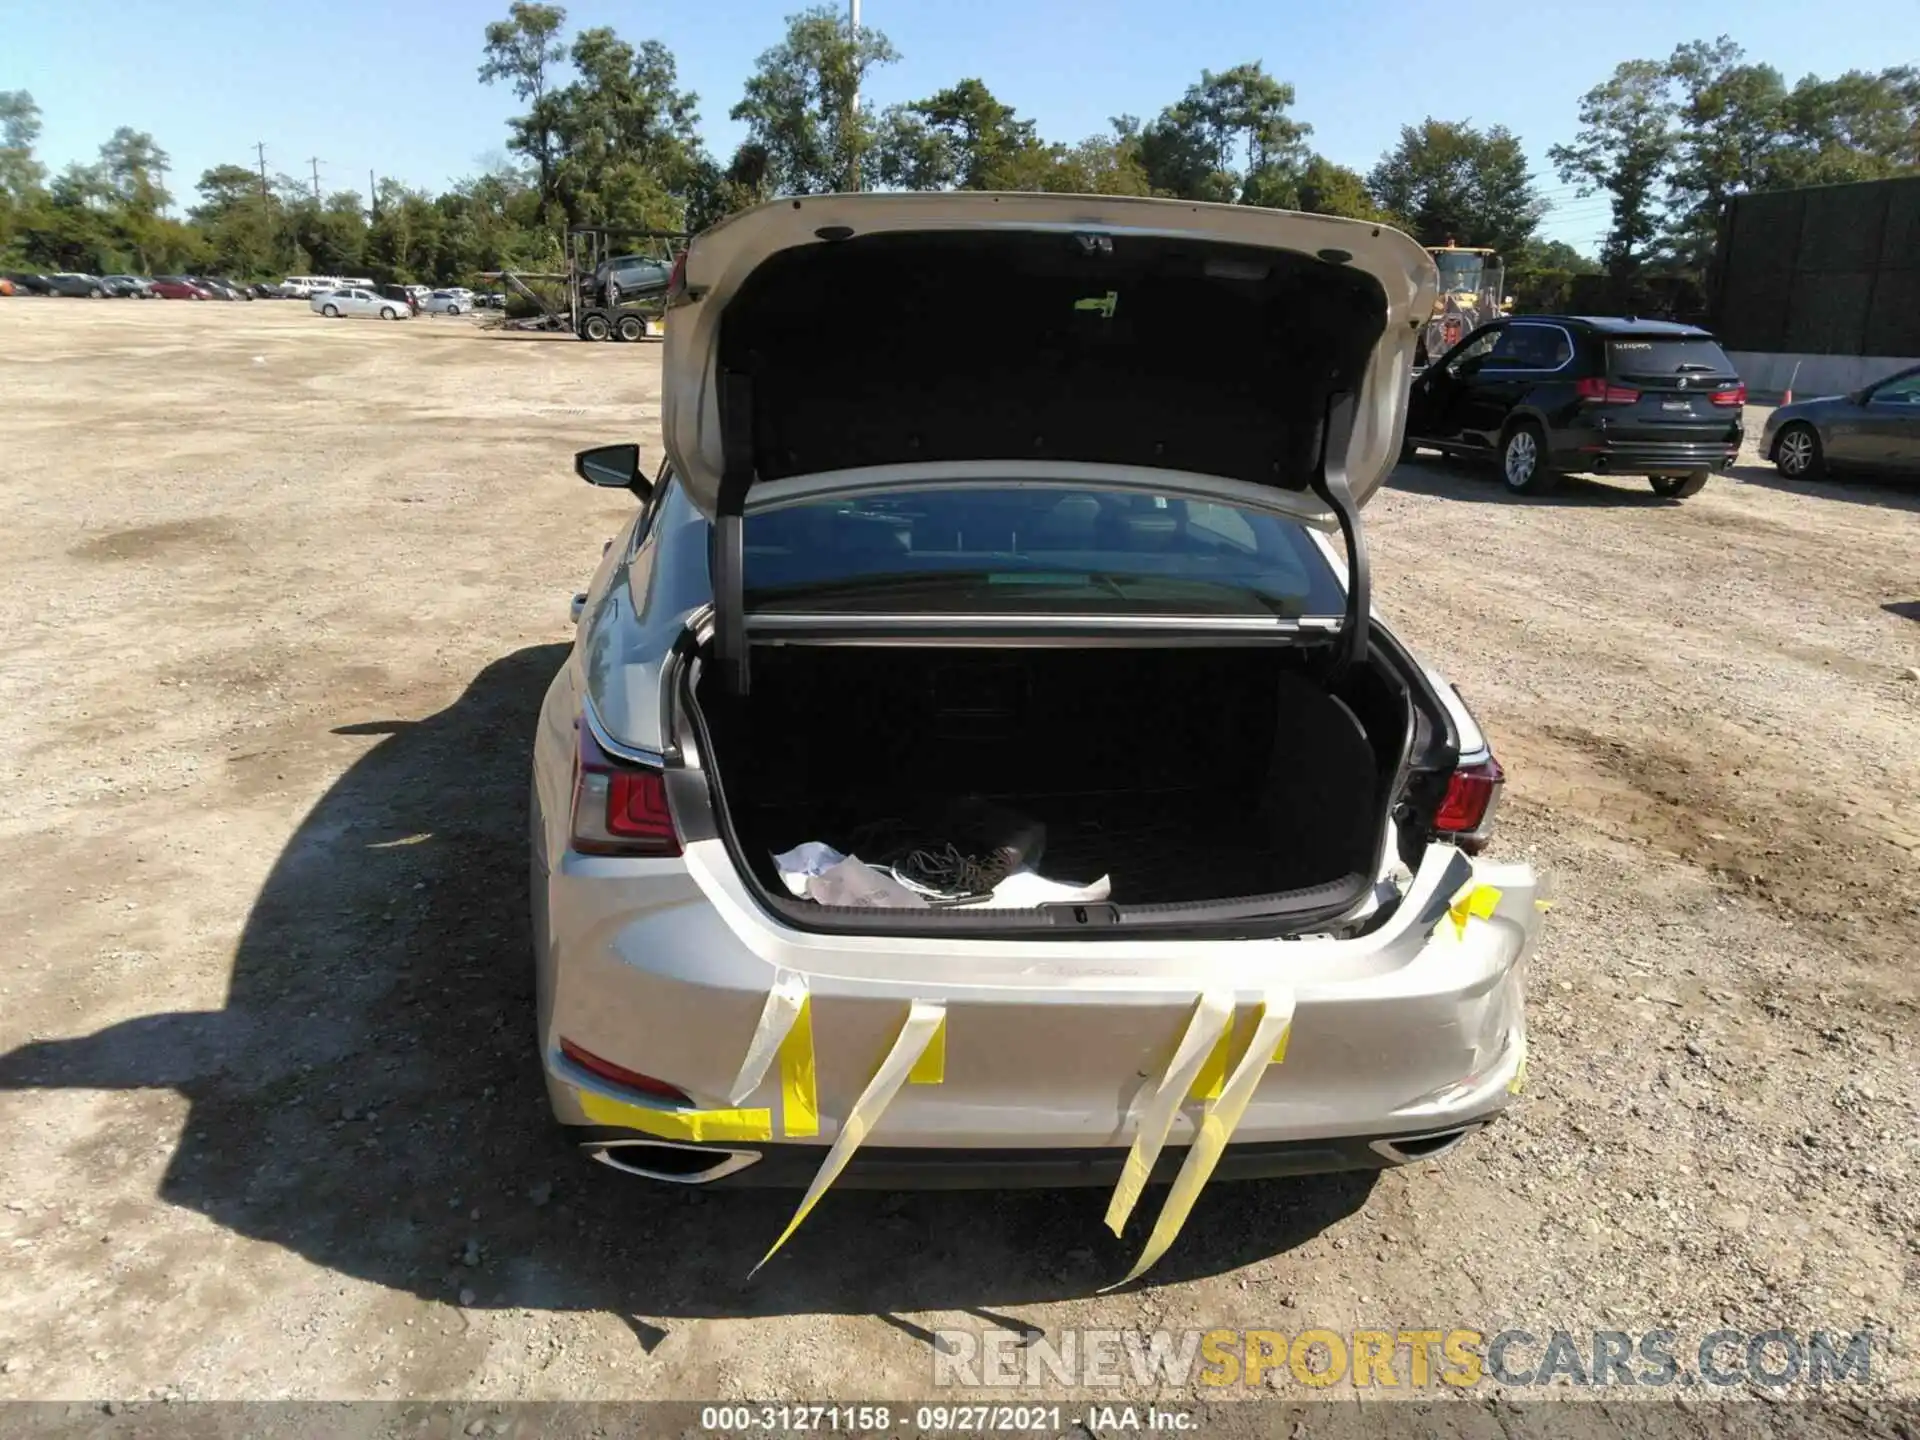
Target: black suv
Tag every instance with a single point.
(1547, 394)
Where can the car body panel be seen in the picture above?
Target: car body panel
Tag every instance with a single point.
(1874, 430)
(721, 260)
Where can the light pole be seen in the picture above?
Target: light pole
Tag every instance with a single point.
(853, 126)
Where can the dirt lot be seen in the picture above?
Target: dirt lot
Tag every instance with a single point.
(281, 598)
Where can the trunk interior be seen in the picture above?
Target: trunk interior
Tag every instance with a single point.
(1189, 777)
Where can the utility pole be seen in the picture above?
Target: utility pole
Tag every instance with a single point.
(373, 194)
(853, 122)
(314, 161)
(261, 147)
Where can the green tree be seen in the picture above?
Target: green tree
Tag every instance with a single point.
(1732, 136)
(1624, 146)
(1447, 181)
(627, 147)
(800, 102)
(521, 50)
(959, 139)
(1195, 148)
(240, 224)
(1856, 126)
(1325, 188)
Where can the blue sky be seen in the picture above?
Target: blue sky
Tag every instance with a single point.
(365, 85)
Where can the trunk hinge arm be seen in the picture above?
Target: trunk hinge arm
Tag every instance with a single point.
(1330, 484)
(726, 559)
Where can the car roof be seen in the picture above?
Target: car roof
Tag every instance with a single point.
(1623, 325)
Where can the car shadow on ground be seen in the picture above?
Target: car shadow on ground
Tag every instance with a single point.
(370, 1097)
(1479, 483)
(1891, 494)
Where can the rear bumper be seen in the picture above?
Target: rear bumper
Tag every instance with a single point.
(663, 967)
(1584, 452)
(792, 1167)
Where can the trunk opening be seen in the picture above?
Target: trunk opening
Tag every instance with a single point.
(1215, 785)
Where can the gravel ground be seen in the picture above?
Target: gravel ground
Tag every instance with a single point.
(282, 597)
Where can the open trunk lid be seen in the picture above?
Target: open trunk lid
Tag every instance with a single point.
(1256, 355)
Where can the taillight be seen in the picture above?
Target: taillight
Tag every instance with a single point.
(620, 1075)
(1467, 808)
(1605, 392)
(619, 808)
(677, 281)
(1736, 396)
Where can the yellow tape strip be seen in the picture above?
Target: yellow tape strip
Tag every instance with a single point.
(777, 1019)
(925, 1020)
(691, 1125)
(931, 1067)
(799, 1099)
(1212, 1018)
(1275, 1018)
(1478, 903)
(1213, 1071)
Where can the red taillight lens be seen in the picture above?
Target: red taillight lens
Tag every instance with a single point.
(1471, 793)
(620, 1075)
(618, 808)
(1736, 396)
(1597, 389)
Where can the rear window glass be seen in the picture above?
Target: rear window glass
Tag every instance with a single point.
(1701, 356)
(1018, 548)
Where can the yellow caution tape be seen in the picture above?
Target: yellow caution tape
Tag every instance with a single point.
(1477, 903)
(799, 1100)
(926, 1023)
(690, 1125)
(1273, 1021)
(1211, 1020)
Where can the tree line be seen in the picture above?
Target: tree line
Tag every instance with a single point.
(606, 136)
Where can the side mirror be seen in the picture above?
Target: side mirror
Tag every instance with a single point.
(616, 467)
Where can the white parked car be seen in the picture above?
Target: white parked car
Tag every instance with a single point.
(446, 302)
(355, 301)
(981, 741)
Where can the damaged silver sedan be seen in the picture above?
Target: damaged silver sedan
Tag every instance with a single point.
(979, 763)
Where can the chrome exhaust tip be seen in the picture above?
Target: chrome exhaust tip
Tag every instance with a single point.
(666, 1160)
(1406, 1149)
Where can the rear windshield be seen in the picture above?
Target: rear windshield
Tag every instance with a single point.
(1027, 547)
(1699, 355)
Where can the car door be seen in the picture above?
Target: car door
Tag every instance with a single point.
(1443, 399)
(1890, 425)
(1501, 378)
(365, 302)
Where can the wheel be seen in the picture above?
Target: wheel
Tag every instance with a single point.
(387, 312)
(1679, 487)
(1523, 460)
(632, 327)
(95, 293)
(595, 327)
(1797, 452)
(332, 312)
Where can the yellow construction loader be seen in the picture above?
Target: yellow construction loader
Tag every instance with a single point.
(1471, 293)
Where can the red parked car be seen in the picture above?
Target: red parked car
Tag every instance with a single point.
(173, 287)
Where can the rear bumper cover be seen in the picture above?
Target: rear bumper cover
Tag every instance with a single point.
(663, 967)
(1644, 457)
